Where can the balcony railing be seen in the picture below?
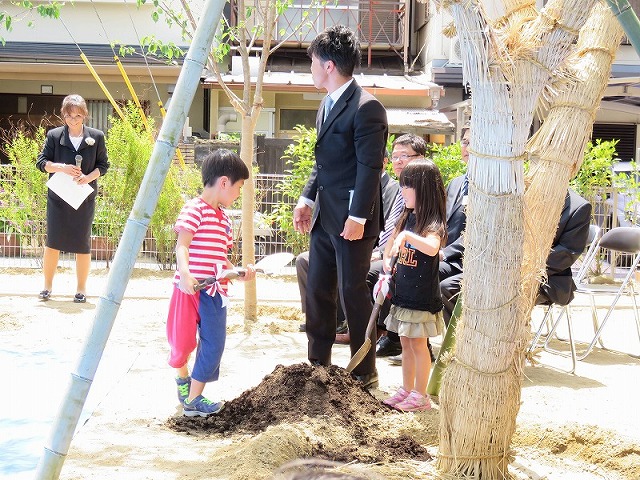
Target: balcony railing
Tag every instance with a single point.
(379, 24)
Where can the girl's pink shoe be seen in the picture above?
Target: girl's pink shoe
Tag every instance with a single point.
(399, 396)
(414, 402)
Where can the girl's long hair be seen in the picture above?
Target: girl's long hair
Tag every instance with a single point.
(431, 199)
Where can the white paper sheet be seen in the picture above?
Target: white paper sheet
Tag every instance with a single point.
(72, 193)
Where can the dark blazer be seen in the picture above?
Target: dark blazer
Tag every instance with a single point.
(390, 188)
(93, 156)
(568, 244)
(456, 223)
(69, 229)
(349, 153)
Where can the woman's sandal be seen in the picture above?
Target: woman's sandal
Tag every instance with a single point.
(44, 295)
(79, 298)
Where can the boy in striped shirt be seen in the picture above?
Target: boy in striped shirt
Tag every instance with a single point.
(199, 318)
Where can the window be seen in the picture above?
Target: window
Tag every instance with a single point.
(289, 118)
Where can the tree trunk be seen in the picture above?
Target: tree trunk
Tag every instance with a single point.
(248, 207)
(508, 64)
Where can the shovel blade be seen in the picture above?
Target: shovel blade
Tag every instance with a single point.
(359, 355)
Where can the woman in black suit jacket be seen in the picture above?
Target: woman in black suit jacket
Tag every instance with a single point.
(81, 153)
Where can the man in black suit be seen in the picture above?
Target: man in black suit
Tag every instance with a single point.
(344, 187)
(390, 191)
(568, 244)
(451, 255)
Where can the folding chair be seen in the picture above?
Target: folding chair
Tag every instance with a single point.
(619, 240)
(584, 263)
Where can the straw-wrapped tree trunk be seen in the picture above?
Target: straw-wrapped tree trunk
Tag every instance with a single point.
(508, 63)
(556, 150)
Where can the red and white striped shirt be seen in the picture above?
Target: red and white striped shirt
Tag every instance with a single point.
(211, 241)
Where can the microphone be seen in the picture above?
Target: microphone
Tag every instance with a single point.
(78, 160)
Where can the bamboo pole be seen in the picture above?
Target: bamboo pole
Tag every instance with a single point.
(55, 451)
(629, 21)
(97, 78)
(446, 350)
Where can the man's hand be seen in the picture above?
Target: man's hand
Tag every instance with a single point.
(302, 219)
(352, 230)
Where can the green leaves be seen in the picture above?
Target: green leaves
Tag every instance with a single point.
(300, 156)
(448, 159)
(596, 170)
(156, 47)
(48, 10)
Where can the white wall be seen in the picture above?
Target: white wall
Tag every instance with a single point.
(85, 26)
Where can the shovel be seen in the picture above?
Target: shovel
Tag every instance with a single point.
(364, 348)
(268, 264)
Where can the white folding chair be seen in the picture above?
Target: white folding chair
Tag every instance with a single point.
(584, 263)
(619, 240)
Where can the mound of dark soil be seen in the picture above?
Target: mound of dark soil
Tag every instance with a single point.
(291, 394)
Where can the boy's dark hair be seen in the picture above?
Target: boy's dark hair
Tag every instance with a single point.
(340, 45)
(416, 143)
(431, 212)
(223, 163)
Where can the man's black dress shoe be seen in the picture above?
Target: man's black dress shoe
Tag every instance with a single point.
(370, 380)
(387, 347)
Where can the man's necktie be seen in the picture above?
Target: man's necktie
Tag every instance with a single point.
(390, 222)
(328, 104)
(465, 186)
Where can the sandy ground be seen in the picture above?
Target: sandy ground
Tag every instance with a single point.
(583, 426)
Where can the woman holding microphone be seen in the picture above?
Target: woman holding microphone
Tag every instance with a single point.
(81, 153)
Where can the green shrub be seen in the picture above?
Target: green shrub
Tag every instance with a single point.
(596, 171)
(23, 193)
(448, 159)
(130, 147)
(300, 155)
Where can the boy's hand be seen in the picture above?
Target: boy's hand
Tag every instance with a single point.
(249, 273)
(187, 284)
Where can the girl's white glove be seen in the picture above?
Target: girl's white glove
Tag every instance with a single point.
(381, 287)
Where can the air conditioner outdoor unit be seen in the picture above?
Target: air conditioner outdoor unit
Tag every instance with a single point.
(455, 55)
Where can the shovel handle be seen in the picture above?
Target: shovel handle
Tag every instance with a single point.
(230, 274)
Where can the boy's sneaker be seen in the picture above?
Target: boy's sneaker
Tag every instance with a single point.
(414, 402)
(201, 407)
(398, 397)
(184, 384)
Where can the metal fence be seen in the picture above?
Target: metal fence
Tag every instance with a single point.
(26, 250)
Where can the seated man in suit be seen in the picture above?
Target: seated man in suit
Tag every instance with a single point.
(390, 190)
(568, 244)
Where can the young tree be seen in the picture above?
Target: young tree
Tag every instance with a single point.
(256, 24)
(512, 64)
